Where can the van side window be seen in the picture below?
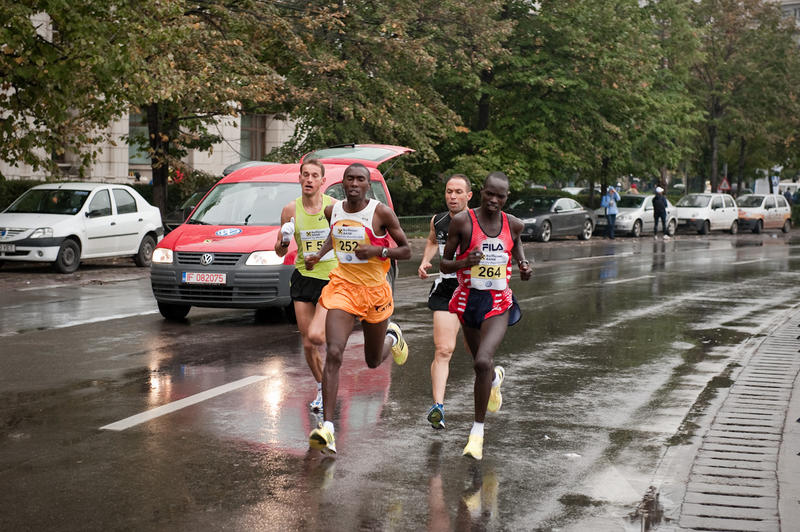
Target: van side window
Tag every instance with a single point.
(782, 201)
(728, 201)
(770, 203)
(716, 203)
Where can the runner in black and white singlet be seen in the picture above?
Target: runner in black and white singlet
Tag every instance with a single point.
(445, 325)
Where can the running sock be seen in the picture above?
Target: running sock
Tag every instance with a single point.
(329, 425)
(496, 380)
(393, 336)
(477, 429)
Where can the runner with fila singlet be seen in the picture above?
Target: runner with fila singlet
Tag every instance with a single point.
(486, 239)
(445, 325)
(304, 220)
(358, 289)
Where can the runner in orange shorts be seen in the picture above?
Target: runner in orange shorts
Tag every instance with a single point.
(360, 231)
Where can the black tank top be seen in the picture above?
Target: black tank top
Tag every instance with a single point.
(441, 224)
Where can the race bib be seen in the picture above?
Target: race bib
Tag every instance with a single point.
(346, 240)
(490, 273)
(311, 241)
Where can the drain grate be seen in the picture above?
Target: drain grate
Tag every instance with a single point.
(733, 484)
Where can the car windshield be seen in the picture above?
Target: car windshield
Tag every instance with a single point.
(528, 205)
(49, 201)
(630, 202)
(245, 203)
(694, 200)
(749, 201)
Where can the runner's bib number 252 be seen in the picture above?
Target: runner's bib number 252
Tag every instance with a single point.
(347, 239)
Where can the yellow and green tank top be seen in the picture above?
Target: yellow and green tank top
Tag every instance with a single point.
(310, 232)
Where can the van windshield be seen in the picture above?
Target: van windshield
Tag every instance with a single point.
(245, 203)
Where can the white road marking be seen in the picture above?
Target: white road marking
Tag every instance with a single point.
(629, 280)
(168, 408)
(625, 254)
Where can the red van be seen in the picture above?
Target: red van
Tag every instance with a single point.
(223, 254)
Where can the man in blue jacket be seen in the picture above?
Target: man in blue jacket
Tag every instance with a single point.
(609, 201)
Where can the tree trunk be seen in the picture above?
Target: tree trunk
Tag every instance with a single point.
(714, 141)
(484, 103)
(740, 164)
(158, 157)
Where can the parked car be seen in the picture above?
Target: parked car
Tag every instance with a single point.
(223, 256)
(764, 211)
(547, 216)
(708, 212)
(636, 216)
(64, 223)
(575, 191)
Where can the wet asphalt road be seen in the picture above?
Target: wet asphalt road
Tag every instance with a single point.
(617, 341)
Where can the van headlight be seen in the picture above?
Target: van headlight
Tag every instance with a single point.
(162, 256)
(263, 258)
(42, 232)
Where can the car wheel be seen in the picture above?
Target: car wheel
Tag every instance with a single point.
(586, 234)
(706, 228)
(546, 232)
(637, 229)
(734, 227)
(68, 258)
(787, 225)
(758, 227)
(672, 227)
(173, 312)
(145, 255)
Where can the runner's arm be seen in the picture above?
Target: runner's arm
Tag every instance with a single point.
(517, 252)
(287, 213)
(313, 258)
(427, 255)
(455, 234)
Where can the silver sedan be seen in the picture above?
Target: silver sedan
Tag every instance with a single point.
(636, 216)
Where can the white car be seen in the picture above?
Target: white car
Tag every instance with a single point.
(63, 223)
(636, 216)
(764, 211)
(708, 212)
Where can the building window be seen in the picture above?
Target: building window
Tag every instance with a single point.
(254, 137)
(137, 139)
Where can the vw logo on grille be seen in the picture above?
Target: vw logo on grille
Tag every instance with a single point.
(206, 259)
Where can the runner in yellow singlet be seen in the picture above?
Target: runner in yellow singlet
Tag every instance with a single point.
(304, 220)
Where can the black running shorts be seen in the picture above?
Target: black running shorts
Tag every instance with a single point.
(441, 293)
(307, 289)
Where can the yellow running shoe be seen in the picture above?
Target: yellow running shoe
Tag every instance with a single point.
(474, 447)
(399, 349)
(495, 397)
(322, 439)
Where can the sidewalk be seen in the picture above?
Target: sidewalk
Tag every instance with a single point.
(745, 474)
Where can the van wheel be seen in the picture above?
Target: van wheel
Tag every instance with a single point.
(787, 225)
(68, 258)
(734, 227)
(173, 312)
(706, 228)
(758, 227)
(145, 255)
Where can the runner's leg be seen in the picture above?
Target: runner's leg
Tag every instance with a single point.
(304, 311)
(338, 326)
(445, 332)
(491, 334)
(377, 345)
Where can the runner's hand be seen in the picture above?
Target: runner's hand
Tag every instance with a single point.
(366, 252)
(474, 257)
(287, 230)
(422, 271)
(311, 260)
(525, 270)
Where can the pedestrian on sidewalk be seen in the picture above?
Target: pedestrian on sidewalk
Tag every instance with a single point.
(609, 202)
